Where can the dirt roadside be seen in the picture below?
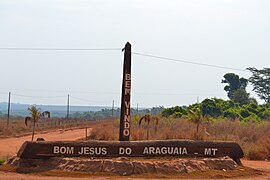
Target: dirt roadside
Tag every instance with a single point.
(10, 146)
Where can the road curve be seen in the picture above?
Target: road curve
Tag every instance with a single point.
(10, 146)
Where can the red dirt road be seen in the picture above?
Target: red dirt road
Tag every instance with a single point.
(10, 146)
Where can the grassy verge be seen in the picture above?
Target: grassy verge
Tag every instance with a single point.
(254, 138)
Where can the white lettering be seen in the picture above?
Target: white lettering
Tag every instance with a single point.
(128, 77)
(214, 151)
(104, 151)
(127, 118)
(126, 125)
(126, 132)
(145, 150)
(157, 150)
(176, 151)
(127, 91)
(127, 104)
(170, 150)
(210, 151)
(151, 150)
(128, 84)
(184, 151)
(126, 151)
(56, 149)
(164, 150)
(63, 150)
(93, 151)
(121, 151)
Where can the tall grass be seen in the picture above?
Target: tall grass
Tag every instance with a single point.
(254, 138)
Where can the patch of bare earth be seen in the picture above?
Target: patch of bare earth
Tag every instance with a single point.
(10, 146)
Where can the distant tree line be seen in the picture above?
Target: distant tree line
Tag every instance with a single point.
(240, 105)
(107, 113)
(219, 108)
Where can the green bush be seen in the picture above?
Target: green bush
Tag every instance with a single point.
(265, 114)
(176, 111)
(210, 108)
(231, 113)
(252, 107)
(244, 113)
(177, 115)
(252, 117)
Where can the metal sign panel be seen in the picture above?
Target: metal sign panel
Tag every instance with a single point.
(124, 131)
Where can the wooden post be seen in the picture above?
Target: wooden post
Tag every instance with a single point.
(124, 131)
(8, 114)
(68, 107)
(112, 108)
(86, 133)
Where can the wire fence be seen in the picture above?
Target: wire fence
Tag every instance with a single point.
(18, 127)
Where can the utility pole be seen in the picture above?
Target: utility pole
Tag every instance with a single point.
(124, 131)
(8, 113)
(198, 99)
(112, 107)
(68, 107)
(137, 108)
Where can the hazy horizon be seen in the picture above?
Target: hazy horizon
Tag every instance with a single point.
(226, 33)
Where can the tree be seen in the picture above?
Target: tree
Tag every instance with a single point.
(210, 108)
(241, 96)
(196, 117)
(260, 80)
(148, 118)
(234, 83)
(35, 116)
(176, 112)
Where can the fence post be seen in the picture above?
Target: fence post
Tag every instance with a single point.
(8, 114)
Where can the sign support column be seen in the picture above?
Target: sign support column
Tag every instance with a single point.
(124, 131)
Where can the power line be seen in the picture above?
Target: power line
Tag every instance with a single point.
(116, 49)
(87, 101)
(58, 49)
(21, 95)
(186, 61)
(176, 94)
(82, 92)
(58, 91)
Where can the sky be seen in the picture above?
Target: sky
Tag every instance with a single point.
(227, 33)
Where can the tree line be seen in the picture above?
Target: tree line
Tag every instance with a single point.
(240, 105)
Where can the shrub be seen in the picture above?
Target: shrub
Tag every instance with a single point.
(252, 117)
(265, 114)
(210, 108)
(244, 113)
(231, 114)
(174, 111)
